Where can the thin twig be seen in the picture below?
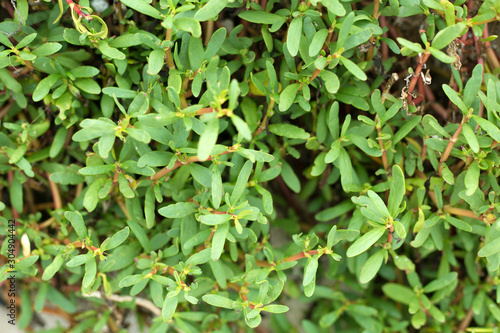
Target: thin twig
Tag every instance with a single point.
(142, 302)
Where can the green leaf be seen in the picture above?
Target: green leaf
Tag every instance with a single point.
(91, 198)
(124, 186)
(441, 56)
(287, 96)
(490, 248)
(345, 30)
(397, 292)
(459, 224)
(218, 301)
(210, 10)
(492, 130)
(289, 131)
(472, 178)
(142, 7)
(155, 61)
(493, 308)
(441, 283)
(188, 24)
(53, 268)
(293, 36)
(242, 127)
(331, 237)
(415, 47)
(362, 143)
(217, 190)
(88, 85)
(43, 87)
(219, 240)
(473, 85)
(76, 220)
(470, 137)
(84, 72)
(169, 307)
(139, 232)
(317, 42)
(353, 68)
(58, 142)
(241, 182)
(208, 139)
(371, 266)
(116, 240)
(16, 87)
(432, 127)
(332, 82)
(275, 308)
(396, 191)
(290, 178)
(453, 96)
(46, 49)
(447, 35)
(90, 274)
(334, 6)
(405, 129)
(215, 43)
(259, 17)
(365, 241)
(109, 51)
(267, 199)
(310, 270)
(130, 280)
(80, 259)
(119, 92)
(178, 210)
(215, 219)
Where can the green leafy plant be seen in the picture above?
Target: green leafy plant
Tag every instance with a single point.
(216, 165)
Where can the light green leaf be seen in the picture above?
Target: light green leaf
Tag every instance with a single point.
(371, 266)
(490, 248)
(415, 47)
(188, 24)
(178, 210)
(492, 130)
(453, 96)
(441, 283)
(290, 178)
(53, 268)
(208, 139)
(310, 270)
(365, 241)
(447, 35)
(472, 178)
(287, 96)
(76, 220)
(210, 10)
(215, 219)
(218, 301)
(169, 307)
(293, 36)
(289, 131)
(397, 190)
(317, 42)
(241, 182)
(353, 68)
(259, 17)
(219, 240)
(142, 7)
(470, 137)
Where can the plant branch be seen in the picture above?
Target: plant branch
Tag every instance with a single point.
(165, 171)
(142, 302)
